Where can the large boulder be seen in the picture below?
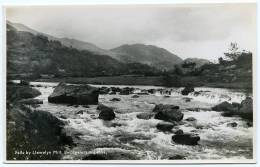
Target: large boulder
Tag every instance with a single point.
(106, 113)
(187, 90)
(74, 94)
(170, 113)
(186, 139)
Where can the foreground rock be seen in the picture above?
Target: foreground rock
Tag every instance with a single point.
(170, 113)
(186, 139)
(106, 113)
(74, 94)
(187, 90)
(31, 130)
(165, 126)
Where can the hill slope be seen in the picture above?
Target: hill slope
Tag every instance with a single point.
(147, 54)
(31, 54)
(74, 43)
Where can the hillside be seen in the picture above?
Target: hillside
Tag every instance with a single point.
(33, 55)
(146, 54)
(74, 43)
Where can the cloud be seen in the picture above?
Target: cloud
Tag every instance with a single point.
(188, 30)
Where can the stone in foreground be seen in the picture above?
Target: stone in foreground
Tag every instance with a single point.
(170, 113)
(186, 139)
(74, 94)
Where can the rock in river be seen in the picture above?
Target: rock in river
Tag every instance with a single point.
(187, 90)
(165, 126)
(145, 116)
(232, 124)
(106, 113)
(179, 132)
(170, 113)
(186, 139)
(115, 99)
(135, 96)
(190, 119)
(74, 94)
(225, 106)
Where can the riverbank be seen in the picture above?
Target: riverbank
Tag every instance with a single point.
(32, 134)
(196, 81)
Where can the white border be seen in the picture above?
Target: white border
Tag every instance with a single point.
(117, 2)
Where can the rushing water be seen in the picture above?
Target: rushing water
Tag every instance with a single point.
(127, 137)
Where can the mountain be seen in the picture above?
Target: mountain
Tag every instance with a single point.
(146, 54)
(74, 43)
(33, 55)
(137, 53)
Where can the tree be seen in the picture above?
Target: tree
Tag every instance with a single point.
(233, 52)
(220, 60)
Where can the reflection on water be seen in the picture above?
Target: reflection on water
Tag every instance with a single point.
(127, 137)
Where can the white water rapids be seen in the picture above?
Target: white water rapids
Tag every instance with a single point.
(127, 137)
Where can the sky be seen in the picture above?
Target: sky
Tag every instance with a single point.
(202, 31)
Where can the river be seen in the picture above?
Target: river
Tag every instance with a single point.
(127, 137)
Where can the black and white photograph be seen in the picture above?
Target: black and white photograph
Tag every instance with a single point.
(130, 83)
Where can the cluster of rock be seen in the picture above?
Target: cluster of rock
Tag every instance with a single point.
(171, 115)
(131, 90)
(116, 90)
(243, 109)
